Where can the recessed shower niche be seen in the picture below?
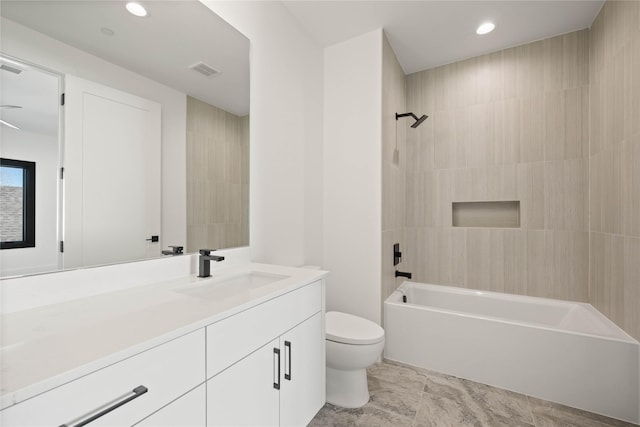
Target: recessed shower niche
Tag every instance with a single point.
(498, 214)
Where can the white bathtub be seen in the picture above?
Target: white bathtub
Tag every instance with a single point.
(560, 351)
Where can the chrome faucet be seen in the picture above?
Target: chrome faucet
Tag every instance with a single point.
(204, 262)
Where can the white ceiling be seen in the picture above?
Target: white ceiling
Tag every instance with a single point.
(426, 34)
(37, 93)
(161, 46)
(423, 34)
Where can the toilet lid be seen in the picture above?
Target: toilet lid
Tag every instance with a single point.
(348, 329)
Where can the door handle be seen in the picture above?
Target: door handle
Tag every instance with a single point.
(107, 407)
(287, 358)
(154, 239)
(276, 361)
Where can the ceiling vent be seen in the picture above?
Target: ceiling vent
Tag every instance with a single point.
(204, 69)
(10, 69)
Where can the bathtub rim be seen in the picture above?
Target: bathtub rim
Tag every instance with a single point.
(396, 299)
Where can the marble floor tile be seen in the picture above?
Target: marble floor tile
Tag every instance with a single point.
(549, 414)
(393, 397)
(333, 416)
(402, 395)
(402, 375)
(488, 404)
(374, 417)
(437, 411)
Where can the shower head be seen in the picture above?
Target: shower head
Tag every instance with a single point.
(418, 120)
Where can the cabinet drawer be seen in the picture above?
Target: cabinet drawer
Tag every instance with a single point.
(189, 410)
(167, 371)
(234, 337)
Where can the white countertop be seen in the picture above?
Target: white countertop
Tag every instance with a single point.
(47, 346)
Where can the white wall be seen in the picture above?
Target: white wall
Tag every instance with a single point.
(286, 132)
(34, 47)
(352, 174)
(43, 150)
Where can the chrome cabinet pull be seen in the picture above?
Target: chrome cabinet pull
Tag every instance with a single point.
(276, 355)
(107, 407)
(287, 357)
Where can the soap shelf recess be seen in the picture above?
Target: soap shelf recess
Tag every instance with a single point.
(495, 214)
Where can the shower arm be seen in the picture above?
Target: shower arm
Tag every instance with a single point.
(407, 115)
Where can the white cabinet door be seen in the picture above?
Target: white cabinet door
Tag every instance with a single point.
(303, 365)
(187, 411)
(245, 394)
(112, 175)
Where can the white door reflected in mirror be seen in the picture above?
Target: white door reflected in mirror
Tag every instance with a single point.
(112, 175)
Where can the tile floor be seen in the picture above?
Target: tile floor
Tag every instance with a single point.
(402, 395)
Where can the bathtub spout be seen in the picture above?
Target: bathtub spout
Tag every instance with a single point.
(403, 274)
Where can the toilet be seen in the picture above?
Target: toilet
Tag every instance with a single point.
(353, 344)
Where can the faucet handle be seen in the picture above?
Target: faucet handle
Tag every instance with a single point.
(206, 251)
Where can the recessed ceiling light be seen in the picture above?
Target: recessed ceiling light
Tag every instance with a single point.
(485, 28)
(136, 9)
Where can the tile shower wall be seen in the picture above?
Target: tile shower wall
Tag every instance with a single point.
(394, 157)
(614, 179)
(511, 125)
(217, 177)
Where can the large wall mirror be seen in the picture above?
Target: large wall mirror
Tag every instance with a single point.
(151, 147)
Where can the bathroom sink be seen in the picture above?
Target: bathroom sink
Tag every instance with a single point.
(224, 287)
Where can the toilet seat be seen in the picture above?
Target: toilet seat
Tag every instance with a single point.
(348, 329)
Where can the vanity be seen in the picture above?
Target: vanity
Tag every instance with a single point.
(243, 347)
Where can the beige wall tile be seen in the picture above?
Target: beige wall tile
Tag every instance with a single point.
(479, 184)
(595, 194)
(532, 134)
(445, 135)
(430, 249)
(490, 78)
(614, 206)
(618, 96)
(576, 198)
(634, 60)
(596, 269)
(632, 182)
(459, 255)
(554, 195)
(478, 258)
(445, 256)
(614, 268)
(553, 63)
(515, 262)
(596, 117)
(632, 286)
(389, 282)
(496, 260)
(531, 194)
(480, 146)
(445, 87)
(530, 69)
(217, 165)
(398, 205)
(509, 67)
(536, 266)
(465, 79)
(443, 199)
(556, 125)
